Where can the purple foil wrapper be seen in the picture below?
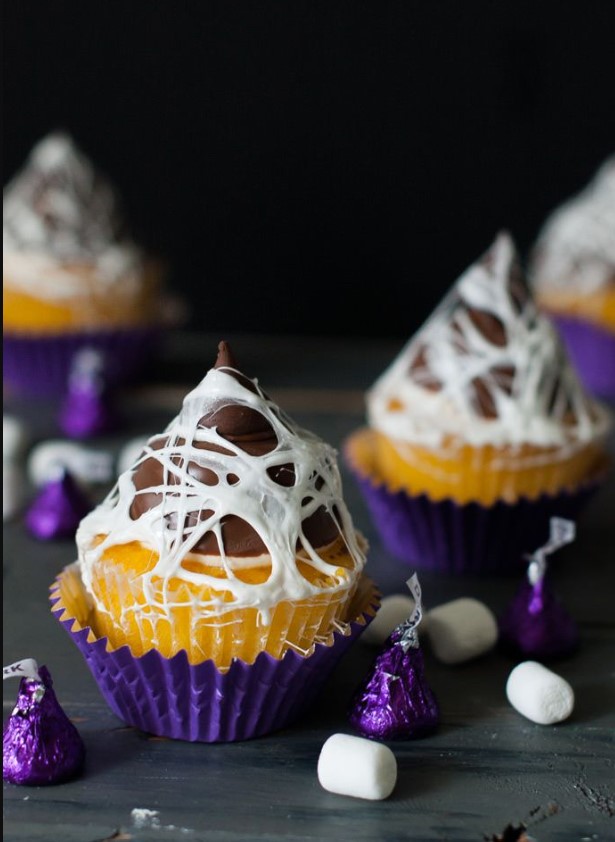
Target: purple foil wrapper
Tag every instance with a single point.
(395, 701)
(592, 351)
(39, 366)
(536, 624)
(85, 413)
(172, 698)
(465, 539)
(40, 744)
(58, 509)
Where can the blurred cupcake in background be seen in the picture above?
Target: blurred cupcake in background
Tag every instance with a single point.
(480, 430)
(72, 277)
(572, 269)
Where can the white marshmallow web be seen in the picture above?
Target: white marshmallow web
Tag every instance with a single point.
(58, 211)
(486, 367)
(575, 249)
(172, 531)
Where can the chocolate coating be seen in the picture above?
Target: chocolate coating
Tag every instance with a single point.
(248, 430)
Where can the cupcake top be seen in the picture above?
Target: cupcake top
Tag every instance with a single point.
(59, 216)
(232, 483)
(485, 369)
(576, 248)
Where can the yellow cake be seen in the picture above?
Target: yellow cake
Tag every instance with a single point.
(228, 537)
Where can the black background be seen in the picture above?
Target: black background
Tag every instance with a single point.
(319, 167)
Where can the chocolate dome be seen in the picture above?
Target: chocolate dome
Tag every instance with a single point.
(244, 428)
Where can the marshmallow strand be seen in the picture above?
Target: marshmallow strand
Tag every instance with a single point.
(357, 767)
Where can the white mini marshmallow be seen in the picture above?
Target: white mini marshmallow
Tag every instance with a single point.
(13, 490)
(131, 451)
(460, 630)
(85, 465)
(393, 610)
(539, 694)
(357, 767)
(13, 438)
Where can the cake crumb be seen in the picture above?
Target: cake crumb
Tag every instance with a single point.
(142, 818)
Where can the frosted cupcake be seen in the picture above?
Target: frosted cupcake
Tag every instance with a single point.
(573, 274)
(478, 428)
(227, 549)
(71, 274)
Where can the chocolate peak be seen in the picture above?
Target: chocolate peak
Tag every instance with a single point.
(250, 430)
(225, 358)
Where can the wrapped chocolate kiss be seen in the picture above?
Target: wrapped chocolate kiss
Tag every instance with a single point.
(40, 744)
(58, 508)
(536, 625)
(395, 701)
(86, 410)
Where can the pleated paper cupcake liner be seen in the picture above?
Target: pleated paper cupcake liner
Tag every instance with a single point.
(592, 351)
(171, 697)
(239, 633)
(39, 365)
(462, 539)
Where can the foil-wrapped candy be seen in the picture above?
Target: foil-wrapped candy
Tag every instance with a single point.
(536, 624)
(58, 508)
(395, 702)
(40, 744)
(86, 410)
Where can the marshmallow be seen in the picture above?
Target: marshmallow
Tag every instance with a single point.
(83, 464)
(394, 609)
(539, 694)
(129, 454)
(13, 438)
(460, 630)
(357, 767)
(13, 490)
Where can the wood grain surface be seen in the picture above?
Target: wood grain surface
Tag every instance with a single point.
(481, 776)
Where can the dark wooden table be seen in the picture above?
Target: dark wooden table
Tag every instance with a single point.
(486, 768)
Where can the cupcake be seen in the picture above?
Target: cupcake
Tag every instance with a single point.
(72, 277)
(479, 430)
(223, 570)
(572, 269)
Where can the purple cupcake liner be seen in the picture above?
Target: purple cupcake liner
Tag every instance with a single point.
(39, 365)
(469, 539)
(170, 697)
(592, 351)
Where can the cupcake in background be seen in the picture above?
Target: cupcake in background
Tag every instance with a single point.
(222, 579)
(480, 430)
(72, 277)
(572, 269)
